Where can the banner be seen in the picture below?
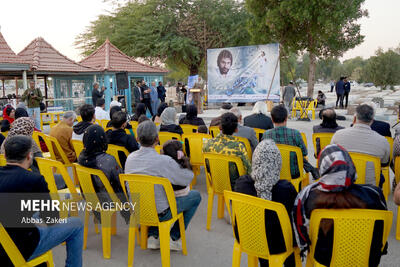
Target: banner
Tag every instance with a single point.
(243, 74)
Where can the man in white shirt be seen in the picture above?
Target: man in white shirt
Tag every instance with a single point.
(100, 113)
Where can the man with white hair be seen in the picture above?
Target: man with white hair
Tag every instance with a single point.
(63, 133)
(362, 139)
(244, 131)
(259, 117)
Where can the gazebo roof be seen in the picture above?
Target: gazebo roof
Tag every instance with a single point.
(8, 56)
(43, 57)
(109, 58)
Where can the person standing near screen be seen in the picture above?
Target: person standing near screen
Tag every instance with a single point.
(33, 96)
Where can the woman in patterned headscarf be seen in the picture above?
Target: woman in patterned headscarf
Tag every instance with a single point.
(94, 156)
(23, 126)
(265, 183)
(335, 190)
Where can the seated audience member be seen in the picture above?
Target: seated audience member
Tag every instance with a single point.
(33, 240)
(21, 112)
(94, 156)
(224, 109)
(191, 117)
(328, 124)
(287, 136)
(25, 126)
(113, 110)
(174, 149)
(142, 118)
(160, 109)
(144, 161)
(202, 129)
(63, 133)
(226, 144)
(8, 118)
(321, 99)
(117, 136)
(381, 127)
(265, 183)
(140, 110)
(362, 139)
(100, 113)
(168, 121)
(259, 118)
(336, 189)
(87, 113)
(244, 131)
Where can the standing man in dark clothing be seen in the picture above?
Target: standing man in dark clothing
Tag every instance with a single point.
(161, 92)
(136, 97)
(339, 92)
(96, 94)
(346, 90)
(146, 99)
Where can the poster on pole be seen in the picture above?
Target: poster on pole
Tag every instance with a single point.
(243, 74)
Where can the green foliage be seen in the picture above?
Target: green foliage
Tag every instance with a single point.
(323, 28)
(383, 69)
(175, 31)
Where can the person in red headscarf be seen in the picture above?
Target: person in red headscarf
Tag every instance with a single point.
(8, 118)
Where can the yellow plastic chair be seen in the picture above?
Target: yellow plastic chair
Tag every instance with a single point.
(36, 137)
(353, 230)
(47, 168)
(324, 140)
(304, 137)
(398, 224)
(78, 147)
(214, 131)
(218, 180)
(397, 169)
(143, 186)
(386, 169)
(79, 118)
(360, 162)
(246, 143)
(195, 143)
(4, 133)
(188, 128)
(134, 124)
(248, 215)
(113, 151)
(158, 148)
(165, 136)
(259, 133)
(15, 255)
(285, 170)
(108, 217)
(104, 123)
(3, 161)
(311, 107)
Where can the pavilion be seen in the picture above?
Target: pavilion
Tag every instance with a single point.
(110, 60)
(71, 81)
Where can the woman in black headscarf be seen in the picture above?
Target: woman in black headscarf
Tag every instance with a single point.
(191, 117)
(94, 156)
(140, 110)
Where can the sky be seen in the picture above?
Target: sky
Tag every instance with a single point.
(60, 21)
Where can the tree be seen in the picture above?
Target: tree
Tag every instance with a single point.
(383, 69)
(321, 28)
(325, 68)
(177, 31)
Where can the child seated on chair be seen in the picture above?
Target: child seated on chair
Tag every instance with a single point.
(174, 149)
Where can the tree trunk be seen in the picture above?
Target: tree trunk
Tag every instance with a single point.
(194, 69)
(311, 75)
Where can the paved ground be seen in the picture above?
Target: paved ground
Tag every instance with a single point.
(205, 248)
